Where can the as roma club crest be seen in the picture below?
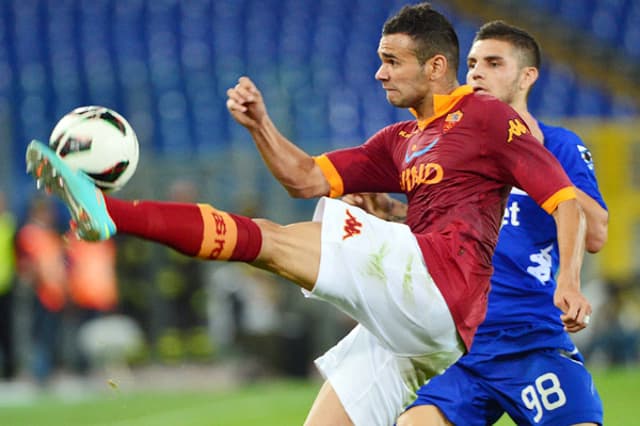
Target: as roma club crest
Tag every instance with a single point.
(451, 120)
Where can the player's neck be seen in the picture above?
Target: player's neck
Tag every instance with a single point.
(529, 119)
(427, 109)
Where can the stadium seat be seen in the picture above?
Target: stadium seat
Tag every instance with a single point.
(167, 65)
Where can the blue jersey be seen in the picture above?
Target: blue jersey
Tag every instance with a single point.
(522, 361)
(526, 260)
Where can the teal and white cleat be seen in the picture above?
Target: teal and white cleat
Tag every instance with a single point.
(83, 199)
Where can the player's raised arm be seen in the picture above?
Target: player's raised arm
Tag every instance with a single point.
(291, 166)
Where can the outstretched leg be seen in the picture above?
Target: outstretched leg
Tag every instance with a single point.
(197, 230)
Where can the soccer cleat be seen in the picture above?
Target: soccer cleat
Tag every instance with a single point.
(83, 199)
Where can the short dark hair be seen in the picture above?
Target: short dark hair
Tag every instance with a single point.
(431, 31)
(519, 38)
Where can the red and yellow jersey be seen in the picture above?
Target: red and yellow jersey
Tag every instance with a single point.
(456, 169)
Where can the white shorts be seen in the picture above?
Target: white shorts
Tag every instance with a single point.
(374, 271)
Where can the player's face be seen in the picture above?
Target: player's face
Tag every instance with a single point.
(494, 68)
(401, 75)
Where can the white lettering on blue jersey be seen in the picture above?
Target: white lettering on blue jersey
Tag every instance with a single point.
(511, 214)
(511, 211)
(542, 259)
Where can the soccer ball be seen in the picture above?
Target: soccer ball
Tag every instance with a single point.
(100, 142)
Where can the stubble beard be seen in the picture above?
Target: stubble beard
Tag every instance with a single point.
(399, 102)
(510, 95)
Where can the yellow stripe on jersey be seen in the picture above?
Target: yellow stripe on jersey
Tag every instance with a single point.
(442, 104)
(331, 174)
(220, 234)
(551, 204)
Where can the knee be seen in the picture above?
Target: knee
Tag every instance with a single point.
(270, 233)
(267, 226)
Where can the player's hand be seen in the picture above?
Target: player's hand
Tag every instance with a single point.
(245, 103)
(575, 307)
(377, 204)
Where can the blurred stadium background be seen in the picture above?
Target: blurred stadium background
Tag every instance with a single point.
(166, 65)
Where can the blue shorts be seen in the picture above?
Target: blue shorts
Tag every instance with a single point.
(544, 387)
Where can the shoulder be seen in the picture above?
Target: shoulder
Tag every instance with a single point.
(489, 110)
(485, 101)
(569, 149)
(498, 120)
(392, 131)
(401, 125)
(562, 141)
(559, 136)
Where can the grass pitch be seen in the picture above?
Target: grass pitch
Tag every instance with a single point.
(272, 403)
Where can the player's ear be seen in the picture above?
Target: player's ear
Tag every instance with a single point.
(436, 67)
(528, 77)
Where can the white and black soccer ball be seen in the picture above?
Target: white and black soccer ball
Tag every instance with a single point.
(100, 142)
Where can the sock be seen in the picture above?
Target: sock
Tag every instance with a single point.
(197, 230)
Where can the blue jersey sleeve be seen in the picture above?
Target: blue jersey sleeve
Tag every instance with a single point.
(575, 158)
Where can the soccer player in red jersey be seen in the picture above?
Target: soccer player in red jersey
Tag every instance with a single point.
(522, 362)
(420, 288)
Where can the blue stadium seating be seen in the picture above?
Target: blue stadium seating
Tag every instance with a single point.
(613, 22)
(166, 65)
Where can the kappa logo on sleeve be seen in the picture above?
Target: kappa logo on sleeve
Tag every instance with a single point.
(351, 226)
(516, 128)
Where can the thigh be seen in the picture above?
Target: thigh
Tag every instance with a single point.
(327, 409)
(548, 388)
(291, 251)
(370, 382)
(457, 396)
(373, 270)
(423, 415)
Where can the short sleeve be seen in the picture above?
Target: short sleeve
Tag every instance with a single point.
(576, 159)
(369, 167)
(522, 160)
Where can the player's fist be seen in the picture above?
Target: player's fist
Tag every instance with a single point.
(576, 309)
(245, 103)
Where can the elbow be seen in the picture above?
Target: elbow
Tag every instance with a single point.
(597, 235)
(594, 243)
(306, 191)
(302, 193)
(310, 182)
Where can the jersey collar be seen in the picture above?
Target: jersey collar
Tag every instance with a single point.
(442, 104)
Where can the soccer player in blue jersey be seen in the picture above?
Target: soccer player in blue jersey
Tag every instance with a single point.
(522, 361)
